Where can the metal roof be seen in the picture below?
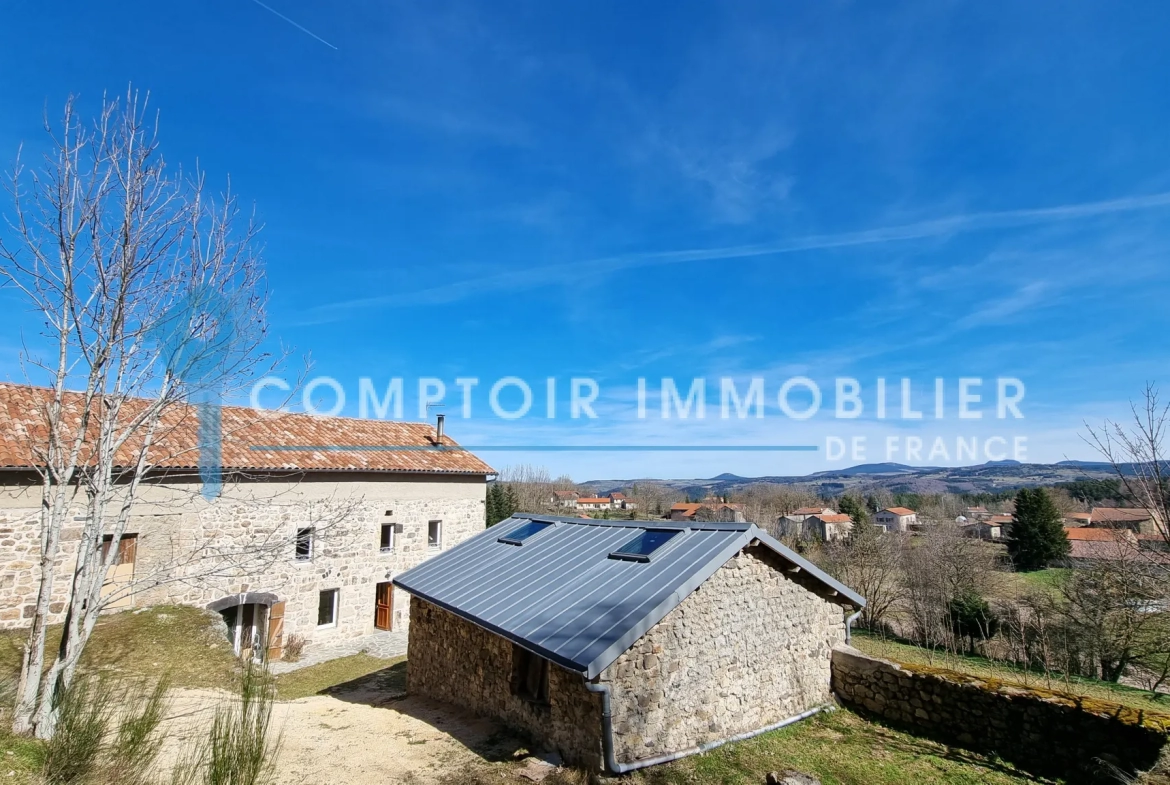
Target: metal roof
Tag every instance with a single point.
(559, 594)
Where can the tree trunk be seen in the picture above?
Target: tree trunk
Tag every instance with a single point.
(33, 662)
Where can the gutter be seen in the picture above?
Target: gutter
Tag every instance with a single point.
(849, 625)
(611, 763)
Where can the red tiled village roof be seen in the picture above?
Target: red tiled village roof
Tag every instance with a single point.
(333, 443)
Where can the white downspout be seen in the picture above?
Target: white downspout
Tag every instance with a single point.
(849, 625)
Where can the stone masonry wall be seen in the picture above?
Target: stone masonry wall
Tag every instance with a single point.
(1046, 733)
(178, 530)
(457, 662)
(749, 648)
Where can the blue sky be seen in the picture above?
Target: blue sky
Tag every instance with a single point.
(917, 190)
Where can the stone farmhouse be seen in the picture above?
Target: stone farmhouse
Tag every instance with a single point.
(792, 524)
(327, 529)
(828, 527)
(623, 644)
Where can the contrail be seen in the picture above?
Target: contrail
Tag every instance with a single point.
(533, 277)
(302, 28)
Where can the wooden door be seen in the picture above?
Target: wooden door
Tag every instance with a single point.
(275, 631)
(384, 607)
(121, 574)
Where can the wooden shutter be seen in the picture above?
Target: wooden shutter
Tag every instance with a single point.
(398, 528)
(276, 631)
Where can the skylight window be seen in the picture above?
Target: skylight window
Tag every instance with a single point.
(645, 544)
(522, 533)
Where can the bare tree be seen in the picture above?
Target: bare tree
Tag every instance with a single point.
(943, 566)
(869, 561)
(151, 297)
(1137, 454)
(533, 486)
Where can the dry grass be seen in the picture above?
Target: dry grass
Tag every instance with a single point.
(838, 747)
(176, 641)
(389, 676)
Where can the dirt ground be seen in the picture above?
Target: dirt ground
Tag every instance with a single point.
(358, 735)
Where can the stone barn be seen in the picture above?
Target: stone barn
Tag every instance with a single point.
(622, 644)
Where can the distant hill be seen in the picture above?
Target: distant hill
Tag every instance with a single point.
(872, 468)
(990, 477)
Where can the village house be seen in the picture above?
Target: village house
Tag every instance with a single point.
(793, 524)
(992, 528)
(895, 519)
(567, 499)
(338, 524)
(707, 511)
(828, 528)
(618, 501)
(594, 503)
(1136, 519)
(622, 644)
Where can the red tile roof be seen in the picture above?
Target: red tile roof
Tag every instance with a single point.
(322, 443)
(1086, 534)
(595, 500)
(1000, 519)
(1119, 514)
(1118, 550)
(900, 510)
(835, 518)
(808, 511)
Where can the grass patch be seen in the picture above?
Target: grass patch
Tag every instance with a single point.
(1013, 585)
(990, 669)
(388, 676)
(839, 747)
(173, 640)
(23, 757)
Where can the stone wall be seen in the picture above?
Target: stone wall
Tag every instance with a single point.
(179, 534)
(749, 648)
(457, 662)
(1046, 733)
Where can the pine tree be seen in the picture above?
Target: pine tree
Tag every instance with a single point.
(511, 503)
(492, 512)
(854, 509)
(1036, 536)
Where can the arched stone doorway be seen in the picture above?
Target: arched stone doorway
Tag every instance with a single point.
(255, 624)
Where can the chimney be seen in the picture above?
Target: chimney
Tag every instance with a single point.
(439, 428)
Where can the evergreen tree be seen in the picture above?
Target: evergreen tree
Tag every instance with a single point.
(1036, 536)
(972, 618)
(493, 505)
(850, 506)
(501, 503)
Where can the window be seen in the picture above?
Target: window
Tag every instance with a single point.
(524, 532)
(435, 534)
(646, 543)
(529, 676)
(127, 548)
(386, 541)
(327, 608)
(305, 544)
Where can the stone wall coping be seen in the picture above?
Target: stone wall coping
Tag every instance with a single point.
(860, 662)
